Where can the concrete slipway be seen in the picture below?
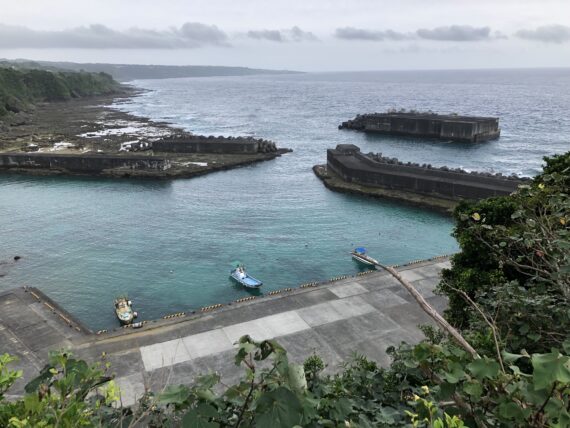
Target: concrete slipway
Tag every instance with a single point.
(364, 314)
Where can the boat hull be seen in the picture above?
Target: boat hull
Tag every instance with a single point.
(124, 311)
(247, 281)
(365, 260)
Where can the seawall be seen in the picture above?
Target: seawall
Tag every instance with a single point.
(366, 313)
(447, 127)
(211, 144)
(81, 163)
(371, 170)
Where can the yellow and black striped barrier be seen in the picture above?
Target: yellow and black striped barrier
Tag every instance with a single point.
(338, 278)
(245, 299)
(366, 272)
(177, 314)
(309, 284)
(211, 307)
(101, 332)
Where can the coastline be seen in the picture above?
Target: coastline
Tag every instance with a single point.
(91, 126)
(335, 183)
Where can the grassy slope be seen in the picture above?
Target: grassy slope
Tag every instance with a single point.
(19, 89)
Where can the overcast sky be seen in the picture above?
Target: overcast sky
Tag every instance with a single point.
(310, 35)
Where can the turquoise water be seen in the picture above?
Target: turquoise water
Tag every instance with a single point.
(169, 244)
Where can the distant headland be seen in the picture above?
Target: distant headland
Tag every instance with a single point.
(127, 72)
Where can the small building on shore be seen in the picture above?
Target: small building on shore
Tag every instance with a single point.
(471, 129)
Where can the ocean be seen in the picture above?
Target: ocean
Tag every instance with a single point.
(169, 245)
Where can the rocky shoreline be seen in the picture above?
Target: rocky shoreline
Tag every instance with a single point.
(88, 127)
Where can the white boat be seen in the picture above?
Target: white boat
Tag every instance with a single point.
(124, 310)
(359, 254)
(240, 275)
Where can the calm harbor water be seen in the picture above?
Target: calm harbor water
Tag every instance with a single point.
(169, 245)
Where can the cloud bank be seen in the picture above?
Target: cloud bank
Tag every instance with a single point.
(547, 34)
(451, 33)
(351, 33)
(294, 34)
(189, 35)
(456, 33)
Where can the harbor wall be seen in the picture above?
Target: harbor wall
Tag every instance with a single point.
(458, 128)
(354, 167)
(219, 145)
(81, 163)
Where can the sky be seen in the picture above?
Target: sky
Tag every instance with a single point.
(308, 35)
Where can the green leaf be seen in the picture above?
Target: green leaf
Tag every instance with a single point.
(474, 389)
(455, 373)
(388, 415)
(199, 417)
(42, 378)
(534, 336)
(510, 358)
(510, 411)
(279, 408)
(296, 377)
(550, 368)
(340, 409)
(484, 368)
(174, 394)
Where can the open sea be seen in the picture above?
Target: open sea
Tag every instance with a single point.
(169, 244)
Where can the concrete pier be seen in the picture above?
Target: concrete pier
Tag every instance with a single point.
(364, 314)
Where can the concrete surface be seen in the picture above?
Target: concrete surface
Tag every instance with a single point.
(364, 314)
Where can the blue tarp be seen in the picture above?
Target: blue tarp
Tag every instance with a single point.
(360, 250)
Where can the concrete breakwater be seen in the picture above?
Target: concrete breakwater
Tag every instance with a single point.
(376, 171)
(81, 163)
(211, 144)
(446, 127)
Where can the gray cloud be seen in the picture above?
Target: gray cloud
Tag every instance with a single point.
(189, 35)
(351, 33)
(456, 33)
(294, 34)
(298, 35)
(547, 34)
(272, 35)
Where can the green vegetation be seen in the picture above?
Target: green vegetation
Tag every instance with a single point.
(128, 72)
(508, 290)
(21, 88)
(515, 263)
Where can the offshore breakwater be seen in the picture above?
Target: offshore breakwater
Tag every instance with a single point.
(453, 127)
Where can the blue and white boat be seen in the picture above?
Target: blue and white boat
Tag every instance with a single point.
(241, 277)
(359, 254)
